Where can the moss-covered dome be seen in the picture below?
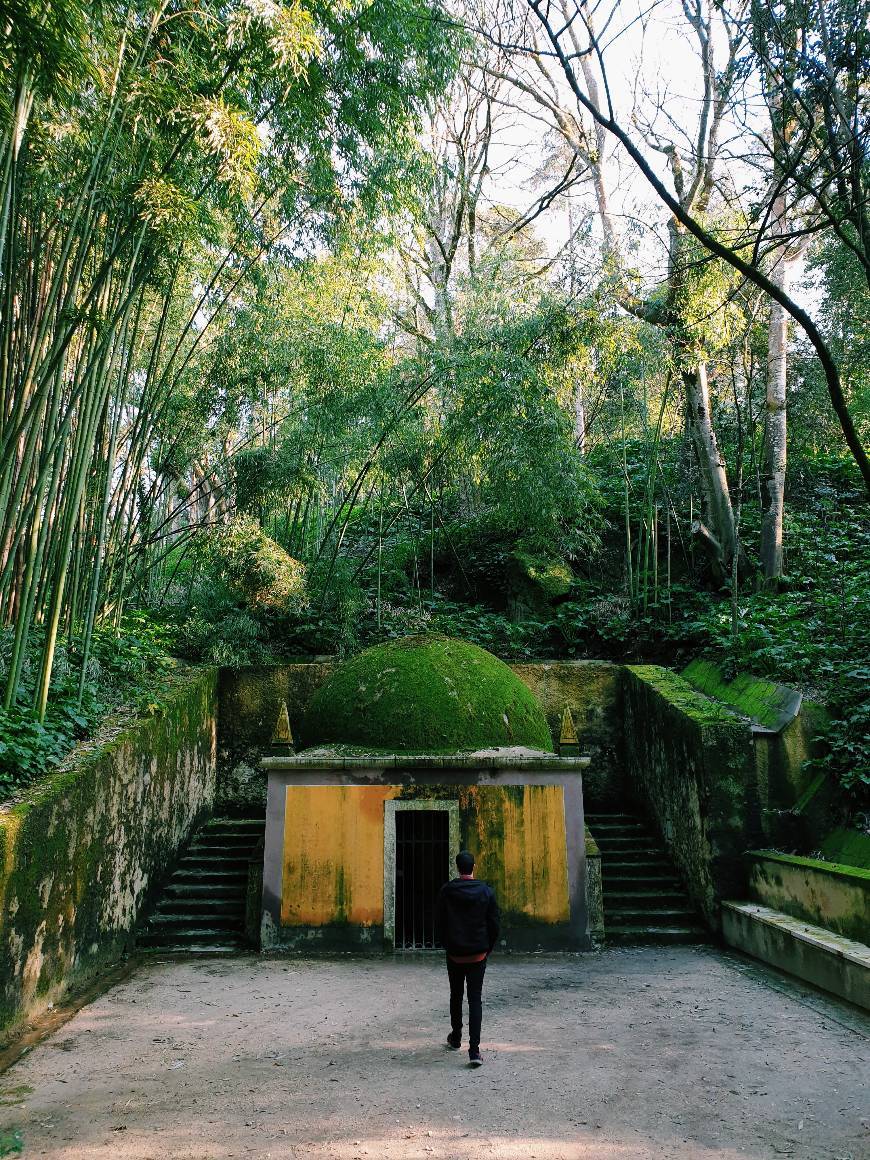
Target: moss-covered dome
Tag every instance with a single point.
(426, 694)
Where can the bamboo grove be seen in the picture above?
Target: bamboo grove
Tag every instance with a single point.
(153, 154)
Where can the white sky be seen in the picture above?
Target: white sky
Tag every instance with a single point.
(653, 69)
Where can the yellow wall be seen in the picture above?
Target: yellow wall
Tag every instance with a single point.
(334, 851)
(517, 834)
(334, 854)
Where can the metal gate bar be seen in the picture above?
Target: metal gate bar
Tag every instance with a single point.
(422, 843)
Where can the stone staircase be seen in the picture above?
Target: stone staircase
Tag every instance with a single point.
(644, 901)
(202, 907)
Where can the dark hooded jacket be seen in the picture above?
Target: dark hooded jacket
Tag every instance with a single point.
(466, 917)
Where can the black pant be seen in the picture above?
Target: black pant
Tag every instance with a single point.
(468, 975)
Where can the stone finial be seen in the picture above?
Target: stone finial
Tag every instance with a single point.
(569, 744)
(282, 738)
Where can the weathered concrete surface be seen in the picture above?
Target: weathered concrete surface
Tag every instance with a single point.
(592, 690)
(796, 805)
(249, 700)
(690, 762)
(84, 847)
(823, 893)
(628, 1055)
(827, 960)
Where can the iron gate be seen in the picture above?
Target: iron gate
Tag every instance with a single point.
(422, 853)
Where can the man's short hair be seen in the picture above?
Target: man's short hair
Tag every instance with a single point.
(464, 862)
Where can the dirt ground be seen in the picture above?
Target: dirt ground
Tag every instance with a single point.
(623, 1055)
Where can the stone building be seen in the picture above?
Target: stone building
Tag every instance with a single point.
(413, 751)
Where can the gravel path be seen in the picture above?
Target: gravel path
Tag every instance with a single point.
(628, 1054)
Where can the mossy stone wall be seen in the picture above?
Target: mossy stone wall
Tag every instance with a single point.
(249, 700)
(690, 764)
(251, 697)
(833, 896)
(849, 847)
(82, 852)
(796, 803)
(592, 690)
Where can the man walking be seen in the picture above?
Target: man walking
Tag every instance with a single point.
(466, 925)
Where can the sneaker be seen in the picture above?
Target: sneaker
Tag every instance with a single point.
(454, 1042)
(475, 1059)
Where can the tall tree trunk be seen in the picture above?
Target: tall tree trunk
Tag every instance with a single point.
(579, 417)
(719, 536)
(775, 441)
(775, 425)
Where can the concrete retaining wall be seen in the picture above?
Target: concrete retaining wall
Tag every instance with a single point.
(81, 852)
(811, 953)
(690, 765)
(796, 804)
(828, 895)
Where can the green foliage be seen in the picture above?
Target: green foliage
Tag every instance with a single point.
(514, 439)
(234, 595)
(838, 275)
(705, 299)
(252, 566)
(11, 1142)
(125, 670)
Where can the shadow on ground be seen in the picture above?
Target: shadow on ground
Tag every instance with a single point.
(682, 1052)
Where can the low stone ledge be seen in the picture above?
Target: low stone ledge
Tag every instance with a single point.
(482, 758)
(824, 893)
(812, 953)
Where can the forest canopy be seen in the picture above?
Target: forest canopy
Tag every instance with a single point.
(541, 325)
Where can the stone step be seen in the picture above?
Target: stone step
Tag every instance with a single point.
(235, 824)
(211, 856)
(202, 904)
(233, 843)
(233, 852)
(616, 826)
(166, 920)
(639, 934)
(617, 841)
(201, 940)
(220, 874)
(639, 865)
(651, 897)
(188, 950)
(626, 842)
(634, 857)
(648, 916)
(195, 888)
(671, 888)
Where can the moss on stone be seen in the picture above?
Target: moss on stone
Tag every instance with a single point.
(764, 702)
(848, 848)
(683, 696)
(80, 850)
(426, 694)
(856, 872)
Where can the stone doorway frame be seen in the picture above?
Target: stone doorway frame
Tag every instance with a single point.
(451, 807)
